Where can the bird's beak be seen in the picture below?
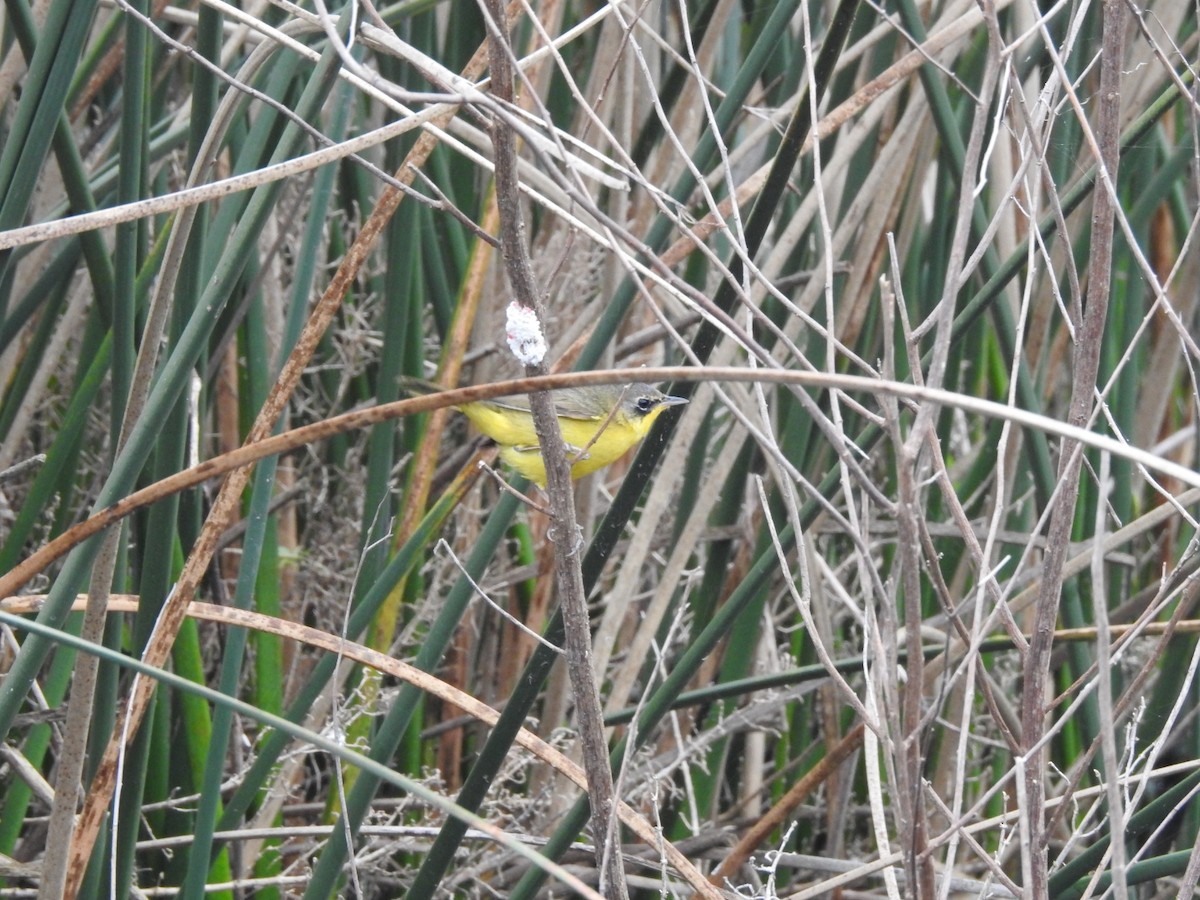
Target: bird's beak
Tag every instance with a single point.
(672, 401)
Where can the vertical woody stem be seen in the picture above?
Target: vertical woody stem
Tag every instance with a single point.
(565, 532)
(1089, 333)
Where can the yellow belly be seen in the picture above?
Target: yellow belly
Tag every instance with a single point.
(513, 430)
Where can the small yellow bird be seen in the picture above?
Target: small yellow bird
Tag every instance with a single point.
(599, 424)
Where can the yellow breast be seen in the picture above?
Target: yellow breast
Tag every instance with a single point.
(594, 442)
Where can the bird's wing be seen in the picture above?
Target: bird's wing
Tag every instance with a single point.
(572, 403)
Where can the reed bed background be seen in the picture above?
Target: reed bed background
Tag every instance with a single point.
(901, 604)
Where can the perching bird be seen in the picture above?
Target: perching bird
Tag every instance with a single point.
(599, 423)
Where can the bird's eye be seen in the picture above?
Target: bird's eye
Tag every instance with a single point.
(645, 404)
